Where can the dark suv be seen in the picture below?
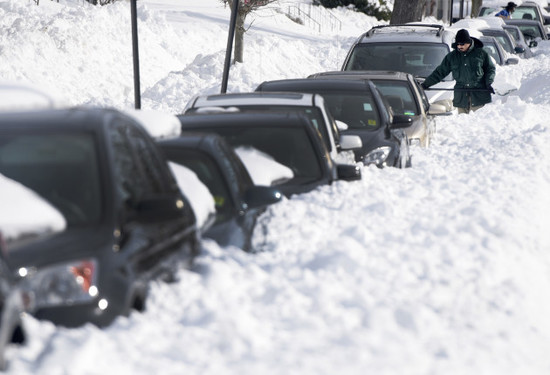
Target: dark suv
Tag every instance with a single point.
(127, 221)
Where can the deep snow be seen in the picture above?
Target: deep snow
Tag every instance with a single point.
(442, 268)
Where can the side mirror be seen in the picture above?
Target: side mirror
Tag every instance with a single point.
(511, 61)
(519, 49)
(341, 125)
(438, 110)
(350, 142)
(348, 172)
(158, 209)
(401, 121)
(261, 196)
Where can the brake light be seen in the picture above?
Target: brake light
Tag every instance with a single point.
(84, 274)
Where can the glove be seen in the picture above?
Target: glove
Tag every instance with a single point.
(491, 89)
(423, 85)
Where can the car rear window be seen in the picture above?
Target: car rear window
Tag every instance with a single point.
(291, 147)
(62, 168)
(418, 59)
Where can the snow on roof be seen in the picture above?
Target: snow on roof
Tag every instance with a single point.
(19, 96)
(158, 124)
(25, 212)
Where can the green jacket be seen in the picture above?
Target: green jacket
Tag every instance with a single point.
(472, 69)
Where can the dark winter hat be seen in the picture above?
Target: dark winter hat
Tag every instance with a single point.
(463, 36)
(510, 5)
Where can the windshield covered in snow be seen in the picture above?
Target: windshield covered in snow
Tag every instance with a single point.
(62, 168)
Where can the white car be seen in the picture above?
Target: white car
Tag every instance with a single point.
(340, 146)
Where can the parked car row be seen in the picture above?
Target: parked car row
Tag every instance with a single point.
(128, 219)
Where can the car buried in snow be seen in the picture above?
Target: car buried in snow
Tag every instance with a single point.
(288, 137)
(127, 222)
(340, 146)
(361, 106)
(405, 96)
(238, 201)
(415, 48)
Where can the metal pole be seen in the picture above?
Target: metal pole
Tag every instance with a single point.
(137, 94)
(229, 49)
(461, 9)
(451, 14)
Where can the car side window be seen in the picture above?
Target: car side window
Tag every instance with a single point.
(209, 173)
(138, 172)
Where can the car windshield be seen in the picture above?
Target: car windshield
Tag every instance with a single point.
(525, 13)
(357, 110)
(530, 32)
(313, 113)
(291, 147)
(492, 50)
(61, 168)
(399, 96)
(418, 59)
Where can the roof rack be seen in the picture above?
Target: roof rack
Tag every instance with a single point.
(426, 25)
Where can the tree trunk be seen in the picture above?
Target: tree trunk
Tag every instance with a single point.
(476, 5)
(406, 11)
(239, 38)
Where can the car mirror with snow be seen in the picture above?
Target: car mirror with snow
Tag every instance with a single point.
(350, 142)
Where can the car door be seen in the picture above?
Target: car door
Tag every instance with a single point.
(142, 178)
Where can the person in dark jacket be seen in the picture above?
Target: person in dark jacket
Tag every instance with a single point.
(472, 68)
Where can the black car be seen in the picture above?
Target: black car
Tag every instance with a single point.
(495, 50)
(288, 137)
(360, 105)
(127, 221)
(237, 200)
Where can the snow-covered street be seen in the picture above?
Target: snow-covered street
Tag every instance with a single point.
(442, 268)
